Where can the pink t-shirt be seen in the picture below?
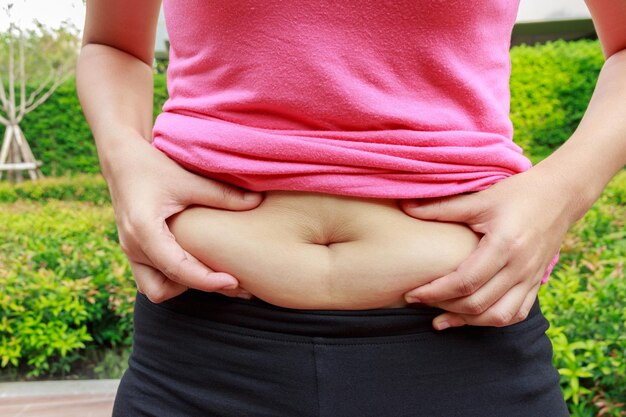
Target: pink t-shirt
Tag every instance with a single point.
(386, 99)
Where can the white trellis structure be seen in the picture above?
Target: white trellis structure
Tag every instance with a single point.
(16, 156)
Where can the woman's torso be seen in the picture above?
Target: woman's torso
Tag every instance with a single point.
(346, 106)
(321, 251)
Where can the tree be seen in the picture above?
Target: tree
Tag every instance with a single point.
(35, 61)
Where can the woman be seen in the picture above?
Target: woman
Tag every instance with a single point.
(318, 297)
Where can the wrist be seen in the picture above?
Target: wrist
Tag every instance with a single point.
(115, 149)
(573, 195)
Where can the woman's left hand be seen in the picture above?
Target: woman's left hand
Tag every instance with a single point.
(523, 220)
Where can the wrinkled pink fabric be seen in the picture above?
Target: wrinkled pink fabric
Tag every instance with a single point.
(391, 99)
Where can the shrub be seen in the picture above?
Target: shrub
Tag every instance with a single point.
(551, 86)
(59, 135)
(584, 301)
(67, 285)
(80, 187)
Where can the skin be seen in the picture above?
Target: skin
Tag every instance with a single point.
(114, 83)
(525, 217)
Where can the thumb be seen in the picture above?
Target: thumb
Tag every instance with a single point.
(208, 192)
(454, 208)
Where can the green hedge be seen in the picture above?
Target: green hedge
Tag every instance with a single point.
(60, 137)
(551, 86)
(67, 288)
(585, 304)
(79, 187)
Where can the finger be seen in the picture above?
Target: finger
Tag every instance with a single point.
(488, 294)
(154, 285)
(204, 191)
(134, 274)
(456, 208)
(529, 301)
(161, 288)
(237, 292)
(479, 267)
(503, 313)
(166, 255)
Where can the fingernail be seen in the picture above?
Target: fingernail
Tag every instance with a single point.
(250, 196)
(229, 287)
(442, 325)
(228, 282)
(411, 299)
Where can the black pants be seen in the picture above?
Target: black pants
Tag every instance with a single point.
(205, 354)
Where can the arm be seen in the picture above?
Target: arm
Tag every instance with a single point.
(525, 217)
(114, 83)
(598, 145)
(114, 78)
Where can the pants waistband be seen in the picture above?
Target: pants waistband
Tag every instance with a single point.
(260, 315)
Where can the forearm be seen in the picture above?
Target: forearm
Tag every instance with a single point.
(596, 151)
(115, 90)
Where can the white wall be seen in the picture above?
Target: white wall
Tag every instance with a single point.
(546, 10)
(161, 34)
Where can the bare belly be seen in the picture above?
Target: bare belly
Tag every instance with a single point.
(321, 251)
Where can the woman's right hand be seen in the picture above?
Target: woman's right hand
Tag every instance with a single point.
(147, 187)
(115, 86)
